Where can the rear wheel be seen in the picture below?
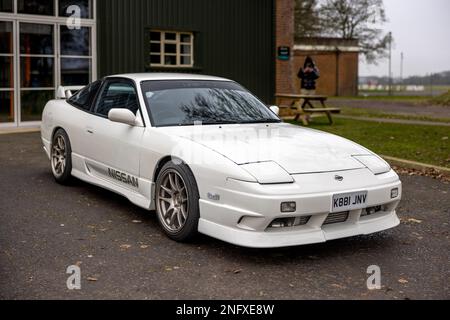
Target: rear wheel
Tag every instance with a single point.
(61, 157)
(177, 201)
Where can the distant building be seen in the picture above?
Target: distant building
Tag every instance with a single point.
(337, 60)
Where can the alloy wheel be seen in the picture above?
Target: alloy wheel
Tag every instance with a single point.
(172, 201)
(59, 156)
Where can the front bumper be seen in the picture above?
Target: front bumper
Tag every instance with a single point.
(246, 210)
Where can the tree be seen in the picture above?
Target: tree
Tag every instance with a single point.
(357, 19)
(307, 22)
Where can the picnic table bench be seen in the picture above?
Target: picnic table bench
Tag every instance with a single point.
(302, 111)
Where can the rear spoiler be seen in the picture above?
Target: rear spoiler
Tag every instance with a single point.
(66, 92)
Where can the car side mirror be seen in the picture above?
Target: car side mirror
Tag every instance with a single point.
(275, 109)
(122, 116)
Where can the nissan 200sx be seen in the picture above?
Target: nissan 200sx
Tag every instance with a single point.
(210, 157)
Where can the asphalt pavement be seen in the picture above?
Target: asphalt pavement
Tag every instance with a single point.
(123, 254)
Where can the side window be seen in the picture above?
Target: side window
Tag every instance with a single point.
(84, 98)
(117, 94)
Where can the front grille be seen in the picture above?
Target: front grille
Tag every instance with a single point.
(336, 217)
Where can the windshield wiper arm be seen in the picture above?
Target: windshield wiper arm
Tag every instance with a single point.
(267, 120)
(220, 122)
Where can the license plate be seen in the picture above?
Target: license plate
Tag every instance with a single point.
(349, 201)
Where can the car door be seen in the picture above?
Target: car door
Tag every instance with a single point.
(75, 124)
(112, 148)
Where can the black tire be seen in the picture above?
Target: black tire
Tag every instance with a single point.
(62, 175)
(189, 229)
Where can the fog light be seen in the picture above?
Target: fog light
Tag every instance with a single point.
(371, 210)
(289, 222)
(288, 207)
(394, 193)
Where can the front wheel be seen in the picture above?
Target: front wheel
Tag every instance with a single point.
(177, 201)
(61, 157)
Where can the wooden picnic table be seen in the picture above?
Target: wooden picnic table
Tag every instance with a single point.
(306, 107)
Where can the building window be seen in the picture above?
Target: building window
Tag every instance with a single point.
(76, 56)
(171, 49)
(39, 7)
(6, 72)
(85, 7)
(39, 52)
(66, 8)
(6, 6)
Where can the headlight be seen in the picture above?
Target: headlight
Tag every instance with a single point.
(268, 172)
(374, 163)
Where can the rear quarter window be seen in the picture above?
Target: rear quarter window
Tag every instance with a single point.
(83, 99)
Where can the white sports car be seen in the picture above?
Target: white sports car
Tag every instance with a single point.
(210, 157)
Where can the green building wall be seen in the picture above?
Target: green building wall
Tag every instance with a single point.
(232, 38)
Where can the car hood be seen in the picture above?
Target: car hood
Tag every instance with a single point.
(296, 149)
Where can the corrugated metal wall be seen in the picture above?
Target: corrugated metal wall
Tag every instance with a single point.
(233, 38)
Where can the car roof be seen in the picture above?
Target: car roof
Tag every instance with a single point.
(138, 77)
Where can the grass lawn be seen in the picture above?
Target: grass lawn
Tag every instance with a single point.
(360, 112)
(426, 144)
(443, 99)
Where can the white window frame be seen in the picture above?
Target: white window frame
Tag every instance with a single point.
(163, 41)
(55, 20)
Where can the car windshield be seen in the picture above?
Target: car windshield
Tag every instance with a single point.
(190, 102)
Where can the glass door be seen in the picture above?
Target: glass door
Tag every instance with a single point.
(7, 105)
(40, 49)
(37, 69)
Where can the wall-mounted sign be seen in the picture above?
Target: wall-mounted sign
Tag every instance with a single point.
(284, 53)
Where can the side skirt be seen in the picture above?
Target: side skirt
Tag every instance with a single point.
(140, 196)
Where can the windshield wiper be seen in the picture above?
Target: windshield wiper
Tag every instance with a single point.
(220, 122)
(266, 120)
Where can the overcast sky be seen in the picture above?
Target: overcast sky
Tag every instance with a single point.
(421, 29)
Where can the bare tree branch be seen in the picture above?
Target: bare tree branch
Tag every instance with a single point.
(348, 19)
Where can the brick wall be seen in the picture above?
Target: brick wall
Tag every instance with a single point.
(284, 36)
(339, 70)
(331, 65)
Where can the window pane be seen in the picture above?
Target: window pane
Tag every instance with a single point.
(155, 48)
(155, 36)
(36, 38)
(6, 106)
(185, 48)
(6, 5)
(6, 39)
(170, 60)
(75, 72)
(36, 72)
(170, 48)
(6, 72)
(84, 5)
(43, 7)
(33, 102)
(76, 42)
(170, 36)
(184, 37)
(156, 59)
(117, 95)
(84, 98)
(185, 60)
